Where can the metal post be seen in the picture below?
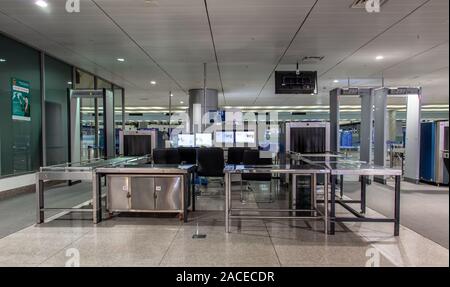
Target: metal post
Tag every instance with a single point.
(204, 95)
(170, 110)
(333, 204)
(39, 200)
(363, 194)
(193, 190)
(123, 109)
(96, 121)
(325, 200)
(397, 205)
(96, 197)
(43, 119)
(227, 199)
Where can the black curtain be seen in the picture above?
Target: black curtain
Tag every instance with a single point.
(137, 145)
(308, 140)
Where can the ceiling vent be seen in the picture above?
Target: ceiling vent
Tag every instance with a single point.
(361, 4)
(311, 60)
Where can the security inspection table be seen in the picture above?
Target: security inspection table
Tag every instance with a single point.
(78, 171)
(294, 171)
(146, 188)
(340, 167)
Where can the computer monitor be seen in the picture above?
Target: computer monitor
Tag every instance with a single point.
(225, 137)
(203, 140)
(186, 140)
(245, 137)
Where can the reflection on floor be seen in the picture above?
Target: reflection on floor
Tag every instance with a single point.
(165, 241)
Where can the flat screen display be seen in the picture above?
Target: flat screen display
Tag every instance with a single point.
(185, 140)
(245, 137)
(225, 137)
(203, 140)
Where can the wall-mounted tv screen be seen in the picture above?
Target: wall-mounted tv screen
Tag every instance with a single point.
(225, 137)
(245, 137)
(186, 140)
(203, 140)
(288, 82)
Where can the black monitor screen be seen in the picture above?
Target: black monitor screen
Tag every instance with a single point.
(137, 145)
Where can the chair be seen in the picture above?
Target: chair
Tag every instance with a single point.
(166, 156)
(252, 157)
(210, 162)
(236, 155)
(188, 155)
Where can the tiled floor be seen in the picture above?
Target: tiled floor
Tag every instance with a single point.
(165, 241)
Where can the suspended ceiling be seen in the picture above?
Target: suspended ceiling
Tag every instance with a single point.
(242, 42)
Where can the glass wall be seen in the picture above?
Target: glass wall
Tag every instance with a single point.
(21, 112)
(20, 108)
(58, 78)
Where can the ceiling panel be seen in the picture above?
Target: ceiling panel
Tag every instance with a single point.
(250, 37)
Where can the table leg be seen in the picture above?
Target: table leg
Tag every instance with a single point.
(333, 205)
(227, 199)
(325, 201)
(341, 186)
(186, 184)
(363, 193)
(39, 201)
(193, 190)
(97, 197)
(397, 206)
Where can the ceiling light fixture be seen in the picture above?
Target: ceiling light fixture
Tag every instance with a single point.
(181, 102)
(2, 60)
(153, 82)
(171, 95)
(69, 83)
(121, 59)
(41, 3)
(379, 58)
(336, 81)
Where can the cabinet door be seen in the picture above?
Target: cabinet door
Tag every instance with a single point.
(142, 194)
(118, 193)
(168, 193)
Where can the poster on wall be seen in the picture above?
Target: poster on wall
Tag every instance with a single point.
(21, 100)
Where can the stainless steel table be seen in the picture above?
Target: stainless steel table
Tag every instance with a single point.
(294, 170)
(185, 172)
(340, 166)
(84, 171)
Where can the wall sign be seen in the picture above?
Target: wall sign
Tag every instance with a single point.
(21, 100)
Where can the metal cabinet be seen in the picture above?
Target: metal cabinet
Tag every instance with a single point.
(145, 193)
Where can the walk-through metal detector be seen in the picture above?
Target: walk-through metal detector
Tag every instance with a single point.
(412, 140)
(374, 125)
(107, 97)
(366, 130)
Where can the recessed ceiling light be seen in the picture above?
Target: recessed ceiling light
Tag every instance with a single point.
(2, 60)
(121, 59)
(69, 83)
(181, 102)
(41, 3)
(171, 95)
(153, 82)
(380, 57)
(336, 81)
